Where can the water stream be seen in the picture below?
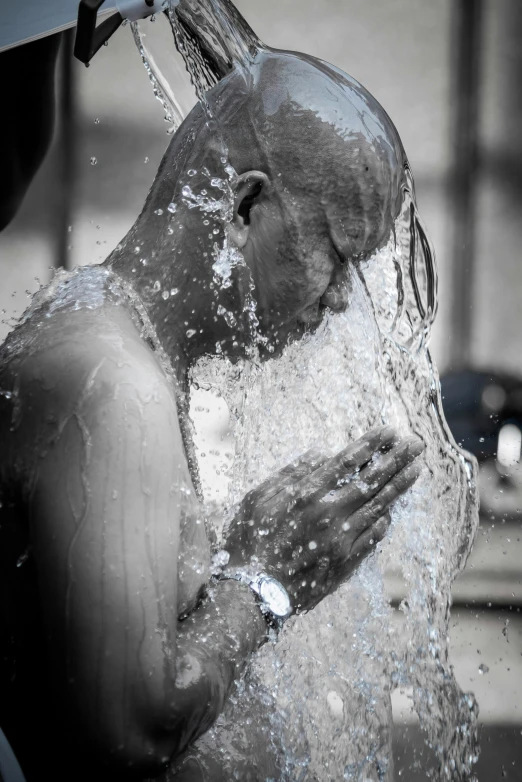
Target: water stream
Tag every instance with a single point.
(325, 687)
(315, 704)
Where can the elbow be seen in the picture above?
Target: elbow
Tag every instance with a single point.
(137, 755)
(152, 739)
(136, 732)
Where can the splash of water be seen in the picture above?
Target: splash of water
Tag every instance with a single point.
(174, 114)
(330, 677)
(325, 688)
(213, 38)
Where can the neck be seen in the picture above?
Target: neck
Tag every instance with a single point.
(158, 272)
(168, 265)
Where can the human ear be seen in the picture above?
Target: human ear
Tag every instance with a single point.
(249, 188)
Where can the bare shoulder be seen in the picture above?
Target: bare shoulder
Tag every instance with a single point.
(81, 364)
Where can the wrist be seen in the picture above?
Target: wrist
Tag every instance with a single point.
(239, 603)
(272, 597)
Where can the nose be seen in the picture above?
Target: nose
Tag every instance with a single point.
(336, 295)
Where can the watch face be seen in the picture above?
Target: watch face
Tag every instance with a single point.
(275, 597)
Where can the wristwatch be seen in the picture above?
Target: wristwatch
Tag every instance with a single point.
(273, 598)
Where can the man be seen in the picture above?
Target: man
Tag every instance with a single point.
(115, 649)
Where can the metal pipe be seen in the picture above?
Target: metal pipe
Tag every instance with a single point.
(467, 27)
(66, 149)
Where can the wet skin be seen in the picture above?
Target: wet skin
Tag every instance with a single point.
(115, 652)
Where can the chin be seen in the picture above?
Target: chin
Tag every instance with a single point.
(304, 323)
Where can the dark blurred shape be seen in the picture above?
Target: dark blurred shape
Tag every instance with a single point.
(466, 33)
(28, 113)
(67, 148)
(500, 754)
(10, 770)
(89, 36)
(477, 405)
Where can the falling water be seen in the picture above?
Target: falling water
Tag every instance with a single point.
(162, 91)
(332, 672)
(324, 689)
(320, 697)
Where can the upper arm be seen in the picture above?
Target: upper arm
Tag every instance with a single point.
(105, 513)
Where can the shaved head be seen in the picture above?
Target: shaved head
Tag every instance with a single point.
(318, 173)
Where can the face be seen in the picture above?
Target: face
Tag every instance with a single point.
(297, 271)
(320, 171)
(318, 189)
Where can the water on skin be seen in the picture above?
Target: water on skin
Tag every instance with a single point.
(368, 366)
(362, 368)
(323, 690)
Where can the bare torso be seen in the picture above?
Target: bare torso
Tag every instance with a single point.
(96, 490)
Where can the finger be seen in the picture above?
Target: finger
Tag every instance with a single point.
(384, 466)
(348, 460)
(292, 473)
(372, 478)
(367, 541)
(375, 508)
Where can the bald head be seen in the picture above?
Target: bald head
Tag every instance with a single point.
(320, 175)
(314, 131)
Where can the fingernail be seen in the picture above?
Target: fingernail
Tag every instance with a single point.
(387, 432)
(416, 447)
(412, 471)
(412, 445)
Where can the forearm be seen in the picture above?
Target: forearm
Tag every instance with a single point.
(213, 645)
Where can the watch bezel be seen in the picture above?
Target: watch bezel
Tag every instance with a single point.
(266, 580)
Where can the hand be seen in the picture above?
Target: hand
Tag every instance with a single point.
(312, 523)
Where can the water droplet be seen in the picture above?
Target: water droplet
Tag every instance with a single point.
(172, 208)
(158, 212)
(165, 295)
(229, 317)
(20, 561)
(186, 192)
(192, 172)
(346, 526)
(146, 160)
(93, 161)
(190, 333)
(312, 545)
(335, 703)
(483, 669)
(173, 291)
(156, 287)
(96, 120)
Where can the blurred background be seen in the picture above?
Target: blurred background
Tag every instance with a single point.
(449, 73)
